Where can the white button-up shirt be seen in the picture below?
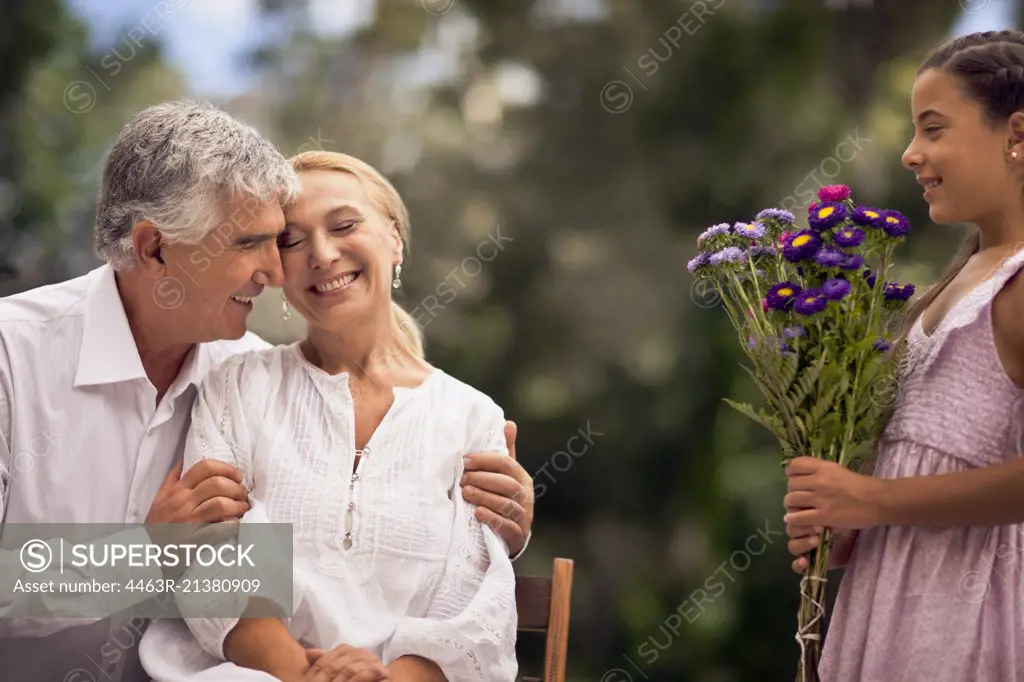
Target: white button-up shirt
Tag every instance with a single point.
(83, 440)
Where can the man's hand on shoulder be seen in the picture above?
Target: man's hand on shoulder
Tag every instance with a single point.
(503, 491)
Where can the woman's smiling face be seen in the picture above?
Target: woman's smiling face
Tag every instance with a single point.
(338, 251)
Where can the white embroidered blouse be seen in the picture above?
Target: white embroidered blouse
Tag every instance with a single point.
(387, 555)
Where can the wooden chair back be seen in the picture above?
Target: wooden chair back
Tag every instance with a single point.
(542, 604)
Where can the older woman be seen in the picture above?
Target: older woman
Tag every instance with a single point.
(352, 437)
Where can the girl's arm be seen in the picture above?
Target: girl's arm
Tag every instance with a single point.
(989, 496)
(827, 494)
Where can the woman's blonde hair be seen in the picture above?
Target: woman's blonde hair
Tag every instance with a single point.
(387, 200)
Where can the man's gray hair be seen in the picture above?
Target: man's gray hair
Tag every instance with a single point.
(178, 164)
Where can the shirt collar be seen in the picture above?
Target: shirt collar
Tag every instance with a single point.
(108, 353)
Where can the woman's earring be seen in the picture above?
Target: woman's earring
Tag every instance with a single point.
(396, 281)
(1013, 154)
(287, 312)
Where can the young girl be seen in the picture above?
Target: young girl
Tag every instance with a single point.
(933, 586)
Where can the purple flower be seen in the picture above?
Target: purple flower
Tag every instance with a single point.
(881, 345)
(853, 261)
(775, 214)
(699, 261)
(826, 215)
(751, 342)
(780, 296)
(801, 245)
(730, 254)
(898, 292)
(810, 302)
(870, 277)
(835, 289)
(829, 257)
(757, 251)
(713, 231)
(794, 331)
(834, 193)
(895, 224)
(848, 236)
(864, 215)
(753, 230)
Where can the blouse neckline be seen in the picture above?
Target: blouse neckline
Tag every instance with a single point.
(319, 372)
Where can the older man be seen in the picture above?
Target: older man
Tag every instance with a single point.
(98, 374)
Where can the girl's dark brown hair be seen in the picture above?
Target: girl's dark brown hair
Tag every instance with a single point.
(989, 68)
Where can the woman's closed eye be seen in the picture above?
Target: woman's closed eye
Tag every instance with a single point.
(345, 226)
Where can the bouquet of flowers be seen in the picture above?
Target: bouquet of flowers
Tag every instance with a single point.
(816, 315)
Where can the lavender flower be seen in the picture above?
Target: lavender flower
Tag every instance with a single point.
(871, 278)
(763, 251)
(775, 214)
(849, 236)
(714, 231)
(699, 261)
(881, 345)
(753, 230)
(810, 302)
(794, 331)
(836, 289)
(730, 254)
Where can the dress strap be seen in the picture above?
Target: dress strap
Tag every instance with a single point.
(964, 313)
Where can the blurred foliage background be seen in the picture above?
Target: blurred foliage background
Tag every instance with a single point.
(558, 158)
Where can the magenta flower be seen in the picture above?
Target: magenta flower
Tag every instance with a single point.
(830, 193)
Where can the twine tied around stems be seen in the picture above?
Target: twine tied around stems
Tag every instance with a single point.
(802, 636)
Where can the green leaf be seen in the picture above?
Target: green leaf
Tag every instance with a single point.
(808, 380)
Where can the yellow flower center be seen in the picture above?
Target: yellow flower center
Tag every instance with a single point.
(890, 219)
(785, 291)
(801, 240)
(871, 214)
(826, 212)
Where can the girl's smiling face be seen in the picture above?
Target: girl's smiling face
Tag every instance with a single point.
(959, 157)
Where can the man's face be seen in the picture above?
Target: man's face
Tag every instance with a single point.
(209, 286)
